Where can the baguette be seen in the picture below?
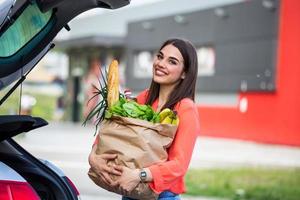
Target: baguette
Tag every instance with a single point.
(113, 83)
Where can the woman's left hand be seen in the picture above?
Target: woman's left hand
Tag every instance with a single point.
(129, 179)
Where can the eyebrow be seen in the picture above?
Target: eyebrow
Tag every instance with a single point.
(171, 57)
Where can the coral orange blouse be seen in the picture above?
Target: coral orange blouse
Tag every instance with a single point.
(169, 175)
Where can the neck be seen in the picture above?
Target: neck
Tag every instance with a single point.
(164, 92)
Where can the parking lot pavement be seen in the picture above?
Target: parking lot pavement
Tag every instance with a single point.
(75, 141)
(219, 152)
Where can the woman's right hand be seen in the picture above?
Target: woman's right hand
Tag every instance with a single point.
(99, 165)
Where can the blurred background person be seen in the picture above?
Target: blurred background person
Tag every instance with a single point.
(27, 103)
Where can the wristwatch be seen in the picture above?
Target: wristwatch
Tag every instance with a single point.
(143, 175)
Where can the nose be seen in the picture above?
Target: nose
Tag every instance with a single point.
(161, 63)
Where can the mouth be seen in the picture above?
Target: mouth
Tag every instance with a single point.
(159, 72)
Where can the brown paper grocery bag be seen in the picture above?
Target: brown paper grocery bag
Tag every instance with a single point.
(138, 144)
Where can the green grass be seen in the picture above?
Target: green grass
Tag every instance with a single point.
(44, 107)
(245, 183)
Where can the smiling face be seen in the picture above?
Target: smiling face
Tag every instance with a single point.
(168, 66)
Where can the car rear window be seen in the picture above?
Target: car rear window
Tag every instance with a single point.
(26, 26)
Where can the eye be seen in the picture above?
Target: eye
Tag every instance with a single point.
(172, 62)
(159, 56)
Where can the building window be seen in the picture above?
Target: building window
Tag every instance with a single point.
(143, 61)
(206, 61)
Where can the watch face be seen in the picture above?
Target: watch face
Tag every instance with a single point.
(143, 176)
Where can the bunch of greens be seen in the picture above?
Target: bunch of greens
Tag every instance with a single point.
(124, 107)
(130, 108)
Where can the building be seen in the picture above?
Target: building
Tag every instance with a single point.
(247, 86)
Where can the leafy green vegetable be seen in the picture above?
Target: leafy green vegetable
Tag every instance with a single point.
(129, 108)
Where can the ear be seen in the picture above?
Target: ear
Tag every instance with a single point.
(183, 75)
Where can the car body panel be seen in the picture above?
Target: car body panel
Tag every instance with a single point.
(45, 181)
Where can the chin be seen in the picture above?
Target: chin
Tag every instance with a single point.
(158, 80)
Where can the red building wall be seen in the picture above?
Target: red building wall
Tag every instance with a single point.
(270, 118)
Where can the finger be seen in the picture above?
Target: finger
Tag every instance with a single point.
(109, 156)
(107, 169)
(107, 177)
(111, 170)
(104, 180)
(118, 168)
(115, 172)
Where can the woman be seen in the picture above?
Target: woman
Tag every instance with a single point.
(173, 86)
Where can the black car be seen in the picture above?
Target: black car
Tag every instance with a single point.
(27, 29)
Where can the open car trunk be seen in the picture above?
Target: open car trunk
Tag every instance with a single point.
(39, 174)
(27, 29)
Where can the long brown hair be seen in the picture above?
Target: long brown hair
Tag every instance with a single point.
(187, 86)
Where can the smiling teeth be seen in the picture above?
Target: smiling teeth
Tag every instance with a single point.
(159, 72)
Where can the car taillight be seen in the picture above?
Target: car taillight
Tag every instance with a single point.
(73, 186)
(13, 190)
